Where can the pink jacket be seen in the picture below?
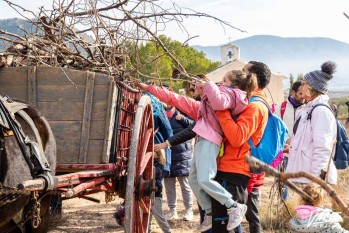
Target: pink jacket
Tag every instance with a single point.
(207, 125)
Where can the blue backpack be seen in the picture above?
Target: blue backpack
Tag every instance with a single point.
(273, 139)
(341, 155)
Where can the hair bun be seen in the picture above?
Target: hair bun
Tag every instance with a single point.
(329, 67)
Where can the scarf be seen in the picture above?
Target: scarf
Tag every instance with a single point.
(294, 102)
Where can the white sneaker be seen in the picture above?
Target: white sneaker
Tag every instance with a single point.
(172, 214)
(206, 224)
(236, 214)
(188, 216)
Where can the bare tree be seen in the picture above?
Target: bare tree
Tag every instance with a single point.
(92, 34)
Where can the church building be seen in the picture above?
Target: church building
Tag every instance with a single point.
(230, 55)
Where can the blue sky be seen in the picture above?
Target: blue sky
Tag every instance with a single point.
(285, 18)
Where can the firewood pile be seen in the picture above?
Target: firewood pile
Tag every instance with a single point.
(98, 36)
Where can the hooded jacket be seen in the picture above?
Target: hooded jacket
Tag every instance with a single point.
(207, 125)
(312, 143)
(181, 154)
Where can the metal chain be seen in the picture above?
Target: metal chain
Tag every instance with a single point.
(36, 219)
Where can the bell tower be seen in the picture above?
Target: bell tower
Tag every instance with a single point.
(229, 52)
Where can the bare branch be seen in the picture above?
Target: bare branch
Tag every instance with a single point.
(285, 176)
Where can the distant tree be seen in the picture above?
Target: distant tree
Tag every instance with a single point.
(300, 77)
(155, 63)
(291, 83)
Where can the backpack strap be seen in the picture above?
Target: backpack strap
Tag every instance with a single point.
(283, 109)
(256, 98)
(316, 105)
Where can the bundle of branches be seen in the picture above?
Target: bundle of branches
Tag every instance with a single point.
(92, 34)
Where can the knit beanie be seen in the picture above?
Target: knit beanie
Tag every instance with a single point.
(318, 79)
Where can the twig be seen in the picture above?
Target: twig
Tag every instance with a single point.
(285, 176)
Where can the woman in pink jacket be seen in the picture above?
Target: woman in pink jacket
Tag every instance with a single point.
(210, 135)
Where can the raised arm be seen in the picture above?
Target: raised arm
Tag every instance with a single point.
(178, 138)
(185, 104)
(221, 98)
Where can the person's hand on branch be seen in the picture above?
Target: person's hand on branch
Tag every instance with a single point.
(160, 146)
(179, 117)
(176, 73)
(286, 148)
(138, 84)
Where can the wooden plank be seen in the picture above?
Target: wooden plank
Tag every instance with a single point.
(95, 151)
(62, 111)
(14, 91)
(86, 120)
(71, 111)
(70, 93)
(99, 111)
(31, 76)
(66, 130)
(109, 121)
(68, 151)
(71, 130)
(61, 93)
(97, 130)
(13, 76)
(62, 76)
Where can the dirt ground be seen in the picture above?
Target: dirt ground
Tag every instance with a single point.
(81, 216)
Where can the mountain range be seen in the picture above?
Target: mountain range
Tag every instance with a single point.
(292, 55)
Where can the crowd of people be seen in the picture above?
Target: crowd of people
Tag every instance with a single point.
(204, 140)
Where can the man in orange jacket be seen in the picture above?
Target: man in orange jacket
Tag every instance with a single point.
(233, 170)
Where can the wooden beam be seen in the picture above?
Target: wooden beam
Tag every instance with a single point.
(109, 121)
(86, 120)
(31, 75)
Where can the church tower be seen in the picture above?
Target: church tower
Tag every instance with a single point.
(229, 52)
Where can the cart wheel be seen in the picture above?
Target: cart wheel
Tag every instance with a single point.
(140, 170)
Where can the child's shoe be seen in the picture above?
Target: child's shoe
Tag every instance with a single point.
(206, 224)
(236, 213)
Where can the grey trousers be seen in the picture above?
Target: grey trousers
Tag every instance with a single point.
(252, 215)
(156, 211)
(171, 194)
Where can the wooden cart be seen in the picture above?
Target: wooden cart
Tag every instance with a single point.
(104, 134)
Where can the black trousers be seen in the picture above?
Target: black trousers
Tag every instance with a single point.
(219, 212)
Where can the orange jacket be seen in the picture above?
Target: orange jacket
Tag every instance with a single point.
(250, 124)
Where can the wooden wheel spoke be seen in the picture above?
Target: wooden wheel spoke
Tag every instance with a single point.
(143, 206)
(139, 219)
(145, 162)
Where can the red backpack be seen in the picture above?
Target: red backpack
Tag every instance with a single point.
(283, 109)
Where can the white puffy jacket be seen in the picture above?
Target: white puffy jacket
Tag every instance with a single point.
(313, 141)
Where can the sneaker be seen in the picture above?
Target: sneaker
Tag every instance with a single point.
(172, 214)
(206, 224)
(236, 214)
(188, 216)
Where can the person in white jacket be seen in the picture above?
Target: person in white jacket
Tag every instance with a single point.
(311, 148)
(287, 112)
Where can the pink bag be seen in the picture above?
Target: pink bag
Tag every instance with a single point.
(275, 163)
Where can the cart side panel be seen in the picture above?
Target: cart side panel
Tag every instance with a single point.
(79, 105)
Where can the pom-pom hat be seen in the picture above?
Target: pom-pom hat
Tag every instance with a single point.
(318, 79)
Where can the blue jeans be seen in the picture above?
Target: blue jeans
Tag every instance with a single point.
(284, 190)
